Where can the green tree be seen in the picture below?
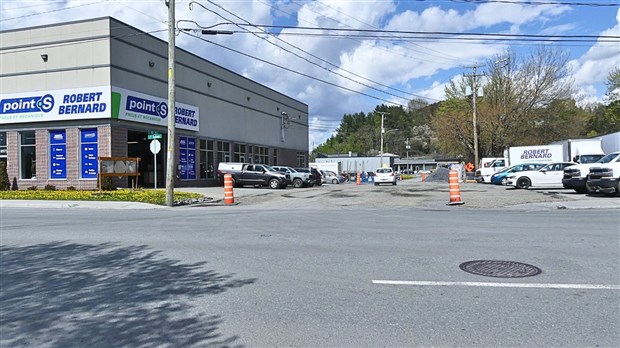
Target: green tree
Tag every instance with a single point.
(516, 91)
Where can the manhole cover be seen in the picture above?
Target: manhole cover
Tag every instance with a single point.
(500, 269)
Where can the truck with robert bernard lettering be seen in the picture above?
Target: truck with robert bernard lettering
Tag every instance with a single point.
(517, 155)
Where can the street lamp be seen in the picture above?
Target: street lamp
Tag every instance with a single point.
(385, 134)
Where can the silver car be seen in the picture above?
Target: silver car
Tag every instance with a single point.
(330, 177)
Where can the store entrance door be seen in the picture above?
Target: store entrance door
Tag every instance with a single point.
(138, 145)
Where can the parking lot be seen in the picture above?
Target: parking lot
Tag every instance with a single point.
(412, 193)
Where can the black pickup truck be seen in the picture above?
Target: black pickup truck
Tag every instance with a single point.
(252, 174)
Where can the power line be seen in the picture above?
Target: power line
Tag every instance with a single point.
(314, 56)
(442, 54)
(50, 11)
(590, 4)
(293, 71)
(431, 34)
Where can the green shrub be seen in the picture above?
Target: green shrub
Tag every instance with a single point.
(49, 187)
(5, 183)
(106, 184)
(32, 188)
(71, 188)
(14, 186)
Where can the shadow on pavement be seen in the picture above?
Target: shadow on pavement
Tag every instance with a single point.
(77, 295)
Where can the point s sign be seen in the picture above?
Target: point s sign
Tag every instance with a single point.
(55, 105)
(138, 107)
(27, 104)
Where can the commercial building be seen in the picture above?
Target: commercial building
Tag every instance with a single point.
(72, 93)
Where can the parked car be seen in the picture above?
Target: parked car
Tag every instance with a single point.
(252, 174)
(384, 176)
(499, 178)
(296, 178)
(332, 177)
(548, 176)
(315, 176)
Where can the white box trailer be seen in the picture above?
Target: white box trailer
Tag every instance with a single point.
(610, 142)
(581, 150)
(335, 167)
(534, 153)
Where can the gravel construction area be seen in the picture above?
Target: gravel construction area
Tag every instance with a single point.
(407, 193)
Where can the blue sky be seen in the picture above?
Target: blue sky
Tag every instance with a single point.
(360, 72)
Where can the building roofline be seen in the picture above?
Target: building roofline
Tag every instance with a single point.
(112, 19)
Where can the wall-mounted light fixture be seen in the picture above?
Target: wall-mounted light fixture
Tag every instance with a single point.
(208, 84)
(151, 63)
(44, 57)
(248, 97)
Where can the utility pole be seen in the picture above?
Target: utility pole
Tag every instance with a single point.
(474, 92)
(407, 147)
(171, 154)
(382, 113)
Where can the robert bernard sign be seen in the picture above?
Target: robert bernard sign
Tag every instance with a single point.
(92, 103)
(138, 107)
(55, 105)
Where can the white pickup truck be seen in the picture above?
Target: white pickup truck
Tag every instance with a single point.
(576, 177)
(605, 179)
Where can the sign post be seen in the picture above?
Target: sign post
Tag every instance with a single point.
(155, 147)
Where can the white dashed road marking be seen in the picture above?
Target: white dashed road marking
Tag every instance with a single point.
(500, 285)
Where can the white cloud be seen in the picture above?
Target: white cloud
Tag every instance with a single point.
(593, 67)
(420, 67)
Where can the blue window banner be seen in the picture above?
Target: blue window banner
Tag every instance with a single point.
(89, 151)
(58, 154)
(187, 158)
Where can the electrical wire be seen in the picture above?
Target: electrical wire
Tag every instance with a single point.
(590, 4)
(312, 55)
(293, 71)
(431, 34)
(50, 11)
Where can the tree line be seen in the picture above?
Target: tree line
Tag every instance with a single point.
(520, 100)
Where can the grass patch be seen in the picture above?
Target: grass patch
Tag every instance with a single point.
(123, 195)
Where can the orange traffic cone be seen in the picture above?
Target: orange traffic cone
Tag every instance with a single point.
(358, 180)
(455, 192)
(229, 197)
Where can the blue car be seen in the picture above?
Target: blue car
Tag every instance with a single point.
(499, 178)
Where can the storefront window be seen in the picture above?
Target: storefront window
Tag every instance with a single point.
(3, 148)
(239, 155)
(89, 150)
(301, 159)
(187, 159)
(3, 145)
(275, 157)
(27, 155)
(206, 159)
(261, 155)
(223, 152)
(58, 154)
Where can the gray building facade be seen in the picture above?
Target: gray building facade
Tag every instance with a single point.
(71, 93)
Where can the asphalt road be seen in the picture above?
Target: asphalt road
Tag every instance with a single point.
(259, 274)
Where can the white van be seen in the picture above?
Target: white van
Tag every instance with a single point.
(489, 166)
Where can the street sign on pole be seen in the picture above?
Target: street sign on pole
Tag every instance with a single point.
(155, 147)
(154, 135)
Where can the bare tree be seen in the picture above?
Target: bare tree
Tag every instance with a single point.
(509, 112)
